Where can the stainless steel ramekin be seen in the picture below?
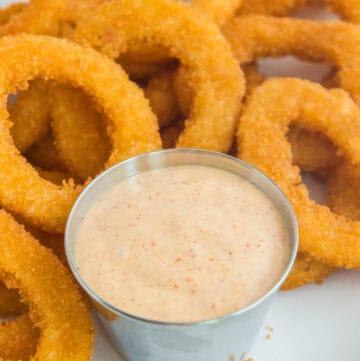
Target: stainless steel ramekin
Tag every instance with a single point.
(222, 339)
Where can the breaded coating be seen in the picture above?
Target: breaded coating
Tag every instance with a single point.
(132, 126)
(47, 17)
(261, 138)
(306, 270)
(269, 7)
(311, 151)
(18, 339)
(184, 31)
(79, 132)
(55, 304)
(218, 10)
(9, 11)
(336, 42)
(30, 116)
(343, 187)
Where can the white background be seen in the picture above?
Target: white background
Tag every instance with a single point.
(314, 322)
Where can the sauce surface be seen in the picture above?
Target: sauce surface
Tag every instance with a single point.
(182, 244)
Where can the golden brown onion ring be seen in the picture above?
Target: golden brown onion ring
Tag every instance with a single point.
(134, 129)
(261, 137)
(253, 37)
(55, 303)
(220, 84)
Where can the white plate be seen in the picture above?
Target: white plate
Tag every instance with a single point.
(310, 323)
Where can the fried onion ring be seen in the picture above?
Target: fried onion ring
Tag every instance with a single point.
(337, 42)
(134, 128)
(261, 138)
(220, 84)
(56, 306)
(252, 37)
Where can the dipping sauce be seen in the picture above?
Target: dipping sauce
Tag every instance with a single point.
(182, 244)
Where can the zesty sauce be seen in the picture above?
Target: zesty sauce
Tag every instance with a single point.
(182, 244)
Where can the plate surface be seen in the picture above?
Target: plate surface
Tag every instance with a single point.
(310, 323)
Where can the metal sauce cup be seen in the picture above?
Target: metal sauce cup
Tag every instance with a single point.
(222, 339)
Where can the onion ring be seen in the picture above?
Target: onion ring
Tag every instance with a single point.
(30, 116)
(78, 129)
(18, 339)
(220, 84)
(142, 54)
(261, 138)
(56, 305)
(134, 127)
(252, 37)
(256, 36)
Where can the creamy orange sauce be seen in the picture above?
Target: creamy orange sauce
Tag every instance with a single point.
(182, 244)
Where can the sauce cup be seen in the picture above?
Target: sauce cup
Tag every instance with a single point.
(221, 339)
